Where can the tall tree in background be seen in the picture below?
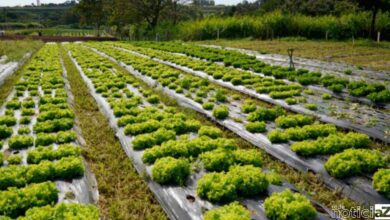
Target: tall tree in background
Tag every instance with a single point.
(92, 12)
(374, 6)
(151, 10)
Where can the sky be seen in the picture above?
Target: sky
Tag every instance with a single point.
(28, 2)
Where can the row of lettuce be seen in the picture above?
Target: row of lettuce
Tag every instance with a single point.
(350, 153)
(375, 92)
(38, 144)
(176, 146)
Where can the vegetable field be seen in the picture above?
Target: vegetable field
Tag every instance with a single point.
(148, 130)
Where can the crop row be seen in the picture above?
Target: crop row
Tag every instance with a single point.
(374, 92)
(288, 128)
(38, 143)
(171, 142)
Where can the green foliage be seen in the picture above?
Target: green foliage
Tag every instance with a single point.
(208, 105)
(169, 170)
(5, 132)
(297, 120)
(20, 142)
(301, 133)
(209, 131)
(63, 211)
(353, 162)
(228, 212)
(238, 181)
(221, 112)
(287, 205)
(158, 137)
(7, 120)
(39, 154)
(311, 106)
(24, 130)
(265, 114)
(16, 201)
(256, 127)
(14, 159)
(381, 182)
(334, 143)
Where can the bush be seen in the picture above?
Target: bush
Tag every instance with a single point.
(221, 112)
(353, 162)
(289, 121)
(287, 205)
(63, 211)
(211, 132)
(20, 142)
(228, 212)
(256, 127)
(169, 170)
(381, 182)
(5, 132)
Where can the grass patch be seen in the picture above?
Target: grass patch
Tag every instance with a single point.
(361, 53)
(16, 49)
(124, 194)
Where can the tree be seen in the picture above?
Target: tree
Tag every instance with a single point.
(374, 6)
(92, 12)
(151, 10)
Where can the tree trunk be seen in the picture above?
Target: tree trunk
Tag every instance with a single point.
(373, 22)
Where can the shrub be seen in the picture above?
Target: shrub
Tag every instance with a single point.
(20, 142)
(5, 132)
(169, 170)
(209, 131)
(228, 212)
(289, 121)
(287, 205)
(256, 127)
(353, 162)
(381, 182)
(221, 112)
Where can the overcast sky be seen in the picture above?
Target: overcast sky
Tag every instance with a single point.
(28, 2)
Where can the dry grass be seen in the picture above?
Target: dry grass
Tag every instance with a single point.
(361, 53)
(124, 194)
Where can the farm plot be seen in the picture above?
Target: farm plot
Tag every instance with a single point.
(183, 156)
(40, 159)
(299, 140)
(328, 106)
